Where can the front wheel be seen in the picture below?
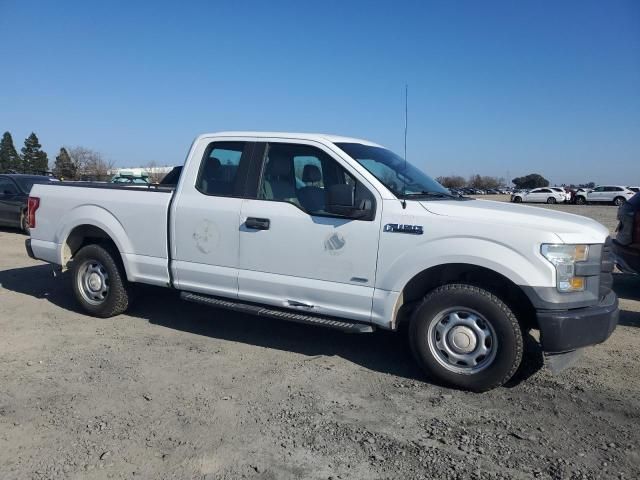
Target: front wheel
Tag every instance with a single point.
(99, 282)
(466, 337)
(517, 200)
(551, 200)
(581, 200)
(618, 201)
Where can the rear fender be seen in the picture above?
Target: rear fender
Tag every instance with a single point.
(96, 216)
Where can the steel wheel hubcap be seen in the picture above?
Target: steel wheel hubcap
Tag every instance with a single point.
(93, 282)
(462, 340)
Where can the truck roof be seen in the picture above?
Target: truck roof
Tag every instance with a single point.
(292, 135)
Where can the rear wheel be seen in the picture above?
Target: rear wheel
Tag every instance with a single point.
(618, 201)
(466, 337)
(551, 200)
(99, 282)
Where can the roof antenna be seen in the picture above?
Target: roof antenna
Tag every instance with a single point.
(406, 121)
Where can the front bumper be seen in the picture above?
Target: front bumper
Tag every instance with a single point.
(566, 330)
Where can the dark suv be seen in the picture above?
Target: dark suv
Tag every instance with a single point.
(626, 246)
(14, 192)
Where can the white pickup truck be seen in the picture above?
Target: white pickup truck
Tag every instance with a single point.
(342, 233)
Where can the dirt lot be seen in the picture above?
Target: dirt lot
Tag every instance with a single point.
(176, 390)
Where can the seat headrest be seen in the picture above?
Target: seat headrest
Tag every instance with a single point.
(311, 174)
(212, 166)
(279, 164)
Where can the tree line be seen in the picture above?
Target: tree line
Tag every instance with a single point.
(32, 160)
(71, 163)
(481, 182)
(533, 180)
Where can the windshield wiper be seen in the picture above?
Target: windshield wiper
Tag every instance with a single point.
(426, 193)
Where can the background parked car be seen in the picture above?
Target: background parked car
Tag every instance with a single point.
(172, 177)
(634, 189)
(626, 246)
(14, 192)
(129, 178)
(616, 194)
(539, 195)
(567, 196)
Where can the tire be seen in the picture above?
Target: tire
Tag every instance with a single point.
(551, 201)
(517, 200)
(24, 223)
(99, 281)
(449, 303)
(619, 201)
(580, 200)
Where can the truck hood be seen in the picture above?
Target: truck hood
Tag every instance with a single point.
(570, 228)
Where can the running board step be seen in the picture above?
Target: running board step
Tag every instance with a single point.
(262, 311)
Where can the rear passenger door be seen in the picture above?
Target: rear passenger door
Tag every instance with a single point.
(205, 218)
(293, 253)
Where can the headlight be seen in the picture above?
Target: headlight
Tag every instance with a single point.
(564, 257)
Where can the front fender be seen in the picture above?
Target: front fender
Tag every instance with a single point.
(522, 267)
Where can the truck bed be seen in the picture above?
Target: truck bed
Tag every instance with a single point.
(135, 217)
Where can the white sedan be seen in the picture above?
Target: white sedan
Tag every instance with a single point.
(539, 195)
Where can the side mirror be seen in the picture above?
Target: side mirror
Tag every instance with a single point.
(341, 201)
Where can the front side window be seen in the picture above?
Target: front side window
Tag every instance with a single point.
(301, 175)
(399, 176)
(219, 172)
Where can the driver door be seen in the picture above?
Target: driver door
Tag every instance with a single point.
(533, 195)
(296, 255)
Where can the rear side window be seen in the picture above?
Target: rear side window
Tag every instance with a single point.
(7, 187)
(223, 170)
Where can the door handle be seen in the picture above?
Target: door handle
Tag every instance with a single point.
(257, 223)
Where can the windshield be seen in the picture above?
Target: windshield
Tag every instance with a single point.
(403, 179)
(26, 183)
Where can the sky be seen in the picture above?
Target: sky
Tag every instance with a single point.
(498, 88)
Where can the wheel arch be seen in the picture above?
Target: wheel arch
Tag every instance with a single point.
(433, 277)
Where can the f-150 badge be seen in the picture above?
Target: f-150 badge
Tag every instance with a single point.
(399, 228)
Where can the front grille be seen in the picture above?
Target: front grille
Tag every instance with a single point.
(606, 269)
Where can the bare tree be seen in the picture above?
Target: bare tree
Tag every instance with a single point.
(154, 172)
(91, 165)
(452, 181)
(485, 182)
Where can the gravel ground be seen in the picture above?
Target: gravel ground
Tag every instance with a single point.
(177, 390)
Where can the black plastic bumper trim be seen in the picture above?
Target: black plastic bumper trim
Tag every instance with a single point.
(565, 330)
(27, 245)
